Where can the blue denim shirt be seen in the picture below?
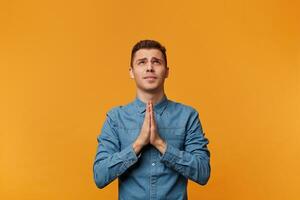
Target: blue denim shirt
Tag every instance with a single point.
(151, 175)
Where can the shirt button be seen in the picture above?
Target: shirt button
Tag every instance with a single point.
(153, 164)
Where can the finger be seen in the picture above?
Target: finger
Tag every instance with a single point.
(146, 118)
(152, 115)
(147, 109)
(150, 112)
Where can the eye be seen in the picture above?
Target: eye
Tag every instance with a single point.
(156, 61)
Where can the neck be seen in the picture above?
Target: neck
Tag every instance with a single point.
(155, 97)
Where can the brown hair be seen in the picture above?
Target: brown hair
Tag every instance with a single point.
(148, 44)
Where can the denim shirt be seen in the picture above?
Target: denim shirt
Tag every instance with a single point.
(150, 174)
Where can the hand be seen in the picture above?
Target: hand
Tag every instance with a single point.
(144, 137)
(149, 133)
(155, 138)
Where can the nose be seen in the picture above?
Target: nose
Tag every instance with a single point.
(150, 67)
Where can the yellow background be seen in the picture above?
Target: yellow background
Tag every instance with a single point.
(65, 63)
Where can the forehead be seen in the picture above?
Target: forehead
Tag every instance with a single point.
(148, 53)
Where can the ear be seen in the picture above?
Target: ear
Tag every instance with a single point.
(131, 73)
(167, 72)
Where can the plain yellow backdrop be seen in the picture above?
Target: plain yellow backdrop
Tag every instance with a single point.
(64, 64)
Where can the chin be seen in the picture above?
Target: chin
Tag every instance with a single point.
(150, 89)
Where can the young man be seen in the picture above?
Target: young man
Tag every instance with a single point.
(153, 144)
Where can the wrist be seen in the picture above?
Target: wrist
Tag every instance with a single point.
(160, 145)
(137, 146)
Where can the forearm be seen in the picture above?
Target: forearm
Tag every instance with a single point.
(195, 166)
(109, 167)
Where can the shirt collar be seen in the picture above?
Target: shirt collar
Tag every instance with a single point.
(159, 107)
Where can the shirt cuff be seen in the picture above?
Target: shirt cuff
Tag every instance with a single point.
(128, 156)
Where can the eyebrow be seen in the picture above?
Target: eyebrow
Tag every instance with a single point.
(157, 59)
(142, 59)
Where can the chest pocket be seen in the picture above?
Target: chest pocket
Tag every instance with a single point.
(127, 136)
(173, 136)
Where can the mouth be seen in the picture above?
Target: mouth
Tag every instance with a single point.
(150, 77)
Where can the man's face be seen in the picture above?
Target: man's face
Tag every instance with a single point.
(149, 70)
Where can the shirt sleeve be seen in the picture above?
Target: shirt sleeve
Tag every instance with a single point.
(194, 161)
(110, 162)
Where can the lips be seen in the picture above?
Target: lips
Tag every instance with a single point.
(150, 77)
